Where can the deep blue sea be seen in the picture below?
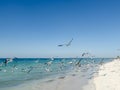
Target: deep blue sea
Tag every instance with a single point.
(20, 70)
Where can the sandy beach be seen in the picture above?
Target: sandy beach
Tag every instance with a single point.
(100, 77)
(109, 76)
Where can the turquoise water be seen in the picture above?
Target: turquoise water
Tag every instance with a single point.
(20, 70)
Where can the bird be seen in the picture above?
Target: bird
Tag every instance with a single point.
(84, 54)
(79, 63)
(6, 61)
(68, 44)
(30, 69)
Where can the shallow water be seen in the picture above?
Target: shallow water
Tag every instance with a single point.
(22, 70)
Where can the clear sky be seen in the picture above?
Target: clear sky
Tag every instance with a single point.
(34, 28)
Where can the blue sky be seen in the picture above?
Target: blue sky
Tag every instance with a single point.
(34, 28)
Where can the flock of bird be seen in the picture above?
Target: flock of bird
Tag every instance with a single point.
(76, 63)
(47, 65)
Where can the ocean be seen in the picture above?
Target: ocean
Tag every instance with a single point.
(22, 70)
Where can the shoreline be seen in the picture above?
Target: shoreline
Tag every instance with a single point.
(93, 77)
(76, 79)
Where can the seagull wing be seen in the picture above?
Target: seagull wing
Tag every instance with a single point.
(61, 45)
(69, 43)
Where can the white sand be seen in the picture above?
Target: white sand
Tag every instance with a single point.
(108, 76)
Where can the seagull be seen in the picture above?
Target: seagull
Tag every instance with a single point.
(6, 61)
(30, 69)
(68, 44)
(52, 58)
(84, 54)
(48, 63)
(79, 63)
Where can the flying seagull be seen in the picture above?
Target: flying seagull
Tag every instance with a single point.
(84, 54)
(7, 61)
(68, 44)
